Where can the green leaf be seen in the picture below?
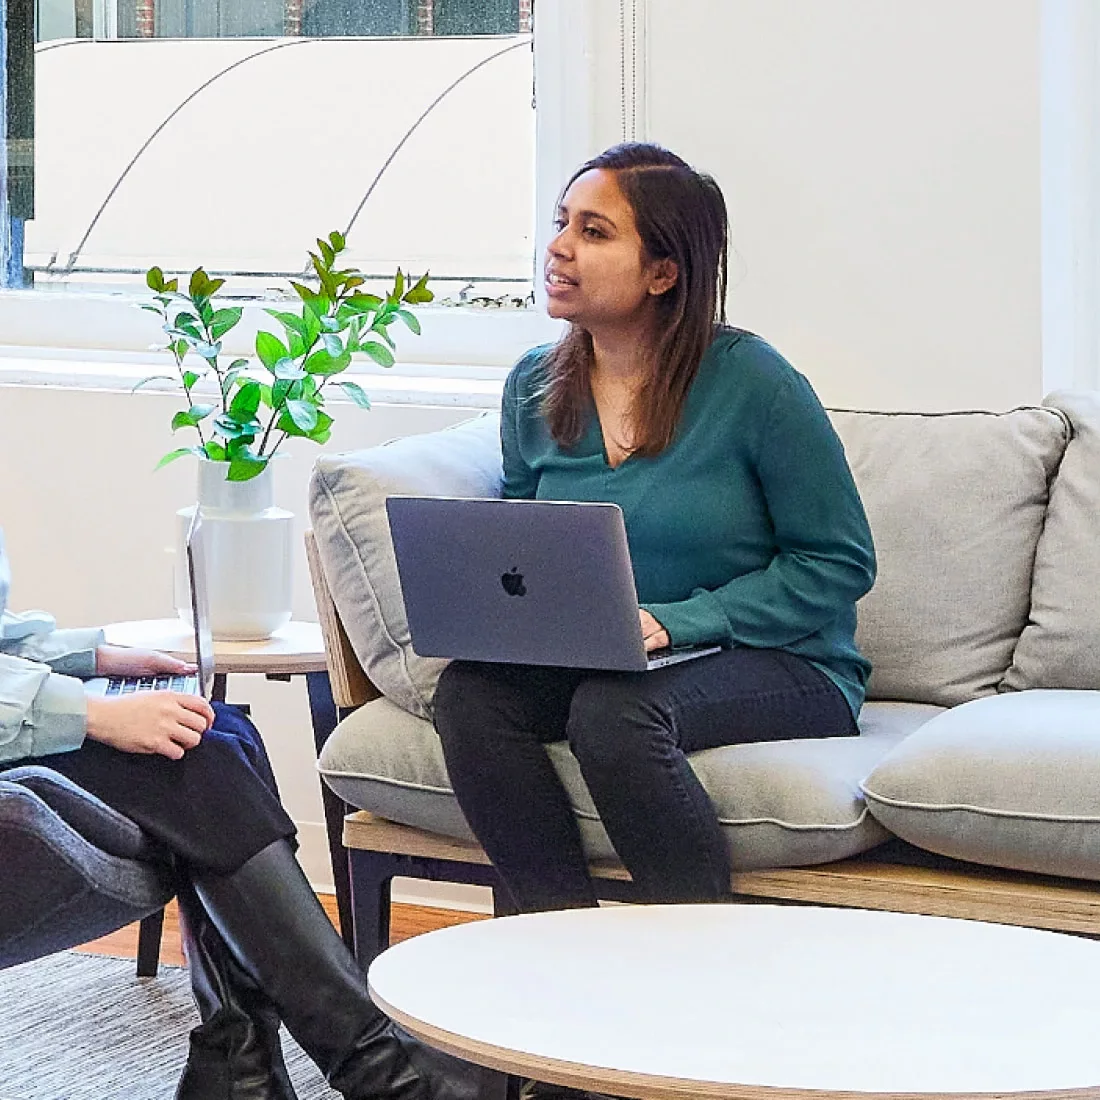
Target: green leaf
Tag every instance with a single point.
(171, 456)
(215, 451)
(337, 240)
(327, 253)
(356, 393)
(196, 287)
(364, 303)
(399, 283)
(209, 352)
(151, 309)
(291, 322)
(153, 378)
(223, 320)
(419, 293)
(244, 466)
(324, 276)
(304, 292)
(178, 348)
(303, 413)
(280, 391)
(381, 329)
(323, 431)
(410, 320)
(232, 428)
(321, 362)
(190, 418)
(246, 401)
(154, 280)
(333, 344)
(379, 353)
(287, 370)
(270, 349)
(266, 395)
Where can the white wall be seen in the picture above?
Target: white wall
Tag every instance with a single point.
(882, 164)
(89, 530)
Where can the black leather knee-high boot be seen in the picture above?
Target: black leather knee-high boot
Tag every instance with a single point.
(235, 1052)
(271, 920)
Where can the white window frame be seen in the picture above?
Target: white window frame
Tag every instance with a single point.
(589, 96)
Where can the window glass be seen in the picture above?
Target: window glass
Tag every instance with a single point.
(231, 133)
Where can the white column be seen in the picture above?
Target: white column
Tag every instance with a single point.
(1070, 166)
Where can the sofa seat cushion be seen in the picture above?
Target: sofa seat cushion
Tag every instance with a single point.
(1011, 781)
(347, 507)
(781, 803)
(956, 503)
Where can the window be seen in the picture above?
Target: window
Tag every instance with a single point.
(231, 133)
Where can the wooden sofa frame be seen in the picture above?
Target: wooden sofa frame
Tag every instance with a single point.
(895, 877)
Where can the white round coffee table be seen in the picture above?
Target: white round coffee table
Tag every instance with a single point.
(761, 1002)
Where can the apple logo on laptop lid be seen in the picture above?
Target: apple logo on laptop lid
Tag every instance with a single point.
(512, 582)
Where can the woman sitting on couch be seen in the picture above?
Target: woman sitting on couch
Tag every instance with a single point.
(745, 530)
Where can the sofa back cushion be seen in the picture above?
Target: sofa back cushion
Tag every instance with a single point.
(956, 503)
(1060, 646)
(347, 507)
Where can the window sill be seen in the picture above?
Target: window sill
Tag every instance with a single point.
(441, 385)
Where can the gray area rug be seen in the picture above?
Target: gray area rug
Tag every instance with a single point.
(85, 1027)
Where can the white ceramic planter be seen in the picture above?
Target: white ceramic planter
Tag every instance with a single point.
(249, 554)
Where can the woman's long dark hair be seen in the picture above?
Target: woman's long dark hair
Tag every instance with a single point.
(681, 216)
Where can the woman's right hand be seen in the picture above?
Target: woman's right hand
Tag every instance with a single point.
(163, 722)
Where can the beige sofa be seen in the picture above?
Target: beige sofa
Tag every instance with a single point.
(980, 740)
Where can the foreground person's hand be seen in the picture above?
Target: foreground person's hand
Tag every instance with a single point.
(150, 722)
(117, 660)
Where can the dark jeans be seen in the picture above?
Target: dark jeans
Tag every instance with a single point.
(630, 732)
(214, 809)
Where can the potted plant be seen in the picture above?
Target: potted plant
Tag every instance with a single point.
(243, 412)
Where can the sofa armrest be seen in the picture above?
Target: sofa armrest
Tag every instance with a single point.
(347, 507)
(350, 686)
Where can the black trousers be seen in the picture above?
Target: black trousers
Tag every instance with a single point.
(213, 810)
(630, 732)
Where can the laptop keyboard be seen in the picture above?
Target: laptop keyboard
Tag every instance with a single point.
(127, 685)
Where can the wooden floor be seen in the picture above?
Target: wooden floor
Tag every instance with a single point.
(405, 921)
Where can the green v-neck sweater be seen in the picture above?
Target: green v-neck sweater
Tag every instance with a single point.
(747, 530)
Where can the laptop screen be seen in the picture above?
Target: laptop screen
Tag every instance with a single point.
(200, 605)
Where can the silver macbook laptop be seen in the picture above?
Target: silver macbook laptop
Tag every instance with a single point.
(201, 684)
(521, 582)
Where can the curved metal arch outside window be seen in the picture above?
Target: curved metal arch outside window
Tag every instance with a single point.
(70, 264)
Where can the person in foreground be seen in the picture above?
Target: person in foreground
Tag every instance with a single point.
(745, 529)
(259, 946)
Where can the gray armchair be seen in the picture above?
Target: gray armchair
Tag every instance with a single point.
(72, 870)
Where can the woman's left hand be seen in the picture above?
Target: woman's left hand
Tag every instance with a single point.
(653, 634)
(115, 660)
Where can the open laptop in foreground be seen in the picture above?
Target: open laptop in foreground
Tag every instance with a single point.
(521, 582)
(201, 684)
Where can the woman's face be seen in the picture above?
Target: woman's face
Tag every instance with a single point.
(596, 273)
